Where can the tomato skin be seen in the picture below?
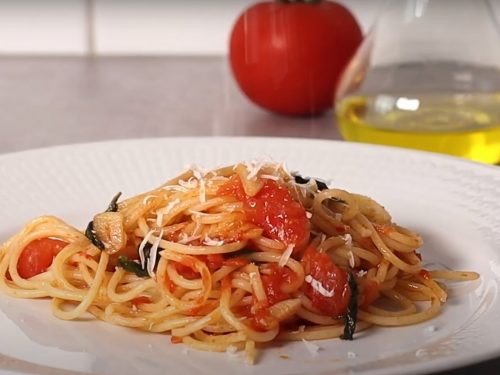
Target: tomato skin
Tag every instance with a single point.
(38, 255)
(287, 58)
(332, 278)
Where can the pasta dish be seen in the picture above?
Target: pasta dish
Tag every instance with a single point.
(229, 259)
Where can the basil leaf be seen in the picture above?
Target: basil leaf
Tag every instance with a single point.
(352, 309)
(131, 266)
(90, 232)
(304, 180)
(113, 205)
(92, 236)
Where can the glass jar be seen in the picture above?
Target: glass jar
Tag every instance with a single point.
(427, 76)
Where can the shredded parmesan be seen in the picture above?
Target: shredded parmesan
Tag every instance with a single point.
(351, 355)
(231, 349)
(362, 273)
(352, 262)
(286, 255)
(317, 286)
(312, 348)
(211, 242)
(143, 244)
(430, 329)
(254, 167)
(309, 215)
(153, 253)
(189, 184)
(348, 239)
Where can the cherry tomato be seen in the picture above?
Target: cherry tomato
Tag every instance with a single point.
(287, 56)
(327, 279)
(272, 209)
(38, 255)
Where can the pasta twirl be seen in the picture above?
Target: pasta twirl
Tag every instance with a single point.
(231, 258)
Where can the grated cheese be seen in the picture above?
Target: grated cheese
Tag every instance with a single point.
(253, 168)
(189, 184)
(348, 239)
(286, 255)
(309, 215)
(153, 253)
(211, 242)
(430, 329)
(351, 355)
(317, 286)
(231, 349)
(362, 273)
(352, 262)
(143, 244)
(312, 348)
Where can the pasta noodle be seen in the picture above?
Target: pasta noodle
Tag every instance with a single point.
(231, 258)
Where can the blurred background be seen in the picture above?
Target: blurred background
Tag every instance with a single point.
(130, 27)
(88, 70)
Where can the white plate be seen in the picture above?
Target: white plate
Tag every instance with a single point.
(454, 204)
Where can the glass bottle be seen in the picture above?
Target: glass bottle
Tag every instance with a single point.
(427, 76)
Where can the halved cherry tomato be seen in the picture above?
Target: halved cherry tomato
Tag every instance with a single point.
(332, 280)
(38, 255)
(272, 209)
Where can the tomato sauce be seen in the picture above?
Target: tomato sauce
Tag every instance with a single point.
(332, 279)
(272, 209)
(274, 281)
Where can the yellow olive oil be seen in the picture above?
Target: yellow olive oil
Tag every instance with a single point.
(465, 125)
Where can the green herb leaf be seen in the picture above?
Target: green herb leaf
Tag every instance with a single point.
(113, 205)
(352, 309)
(131, 266)
(92, 236)
(90, 232)
(304, 180)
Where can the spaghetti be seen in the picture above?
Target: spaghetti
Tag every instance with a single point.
(229, 259)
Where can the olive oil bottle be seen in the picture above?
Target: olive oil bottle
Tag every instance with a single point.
(465, 125)
(427, 76)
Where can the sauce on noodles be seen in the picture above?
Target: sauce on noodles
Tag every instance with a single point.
(230, 259)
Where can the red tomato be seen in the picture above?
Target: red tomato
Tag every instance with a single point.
(38, 255)
(287, 57)
(272, 209)
(332, 280)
